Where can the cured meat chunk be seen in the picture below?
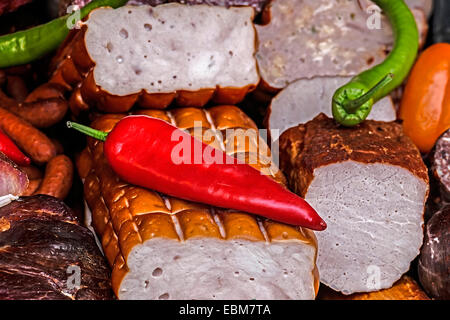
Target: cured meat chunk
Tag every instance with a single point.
(46, 254)
(303, 39)
(370, 184)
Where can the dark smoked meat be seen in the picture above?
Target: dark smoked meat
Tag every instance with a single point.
(434, 261)
(441, 164)
(42, 250)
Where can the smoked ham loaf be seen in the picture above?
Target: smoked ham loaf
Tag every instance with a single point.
(303, 39)
(47, 255)
(161, 247)
(370, 185)
(153, 56)
(304, 99)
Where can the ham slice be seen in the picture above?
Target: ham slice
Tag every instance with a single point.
(370, 185)
(304, 99)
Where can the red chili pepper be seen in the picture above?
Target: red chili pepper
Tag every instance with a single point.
(8, 147)
(139, 149)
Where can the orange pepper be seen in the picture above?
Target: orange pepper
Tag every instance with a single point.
(425, 107)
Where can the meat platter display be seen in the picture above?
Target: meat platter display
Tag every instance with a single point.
(224, 150)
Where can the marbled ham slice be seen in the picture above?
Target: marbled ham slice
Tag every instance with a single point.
(370, 185)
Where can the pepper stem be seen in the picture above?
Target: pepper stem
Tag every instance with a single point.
(97, 134)
(352, 105)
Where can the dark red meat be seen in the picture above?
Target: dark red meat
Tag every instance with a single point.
(41, 245)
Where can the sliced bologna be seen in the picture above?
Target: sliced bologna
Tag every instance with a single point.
(304, 99)
(370, 185)
(154, 56)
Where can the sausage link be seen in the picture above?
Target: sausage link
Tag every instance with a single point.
(16, 88)
(32, 141)
(33, 185)
(46, 91)
(59, 147)
(42, 113)
(58, 177)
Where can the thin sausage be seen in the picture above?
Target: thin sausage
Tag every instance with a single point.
(44, 113)
(43, 107)
(59, 147)
(16, 88)
(33, 185)
(32, 141)
(58, 177)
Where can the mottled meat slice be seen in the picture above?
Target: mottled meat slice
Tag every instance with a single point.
(194, 41)
(370, 184)
(310, 38)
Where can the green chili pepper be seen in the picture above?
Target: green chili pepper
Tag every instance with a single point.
(353, 102)
(25, 46)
